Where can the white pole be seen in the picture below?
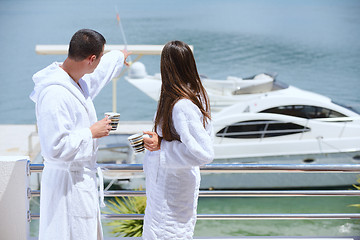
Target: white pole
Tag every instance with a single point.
(14, 202)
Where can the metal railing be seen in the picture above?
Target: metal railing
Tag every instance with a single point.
(222, 168)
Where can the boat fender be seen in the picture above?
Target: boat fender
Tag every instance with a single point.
(137, 70)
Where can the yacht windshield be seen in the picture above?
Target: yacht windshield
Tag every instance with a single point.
(279, 85)
(304, 111)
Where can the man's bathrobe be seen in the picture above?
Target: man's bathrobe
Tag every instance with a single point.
(173, 176)
(69, 202)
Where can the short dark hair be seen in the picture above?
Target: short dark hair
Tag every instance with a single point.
(84, 43)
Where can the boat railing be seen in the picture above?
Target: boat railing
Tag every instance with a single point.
(234, 168)
(338, 119)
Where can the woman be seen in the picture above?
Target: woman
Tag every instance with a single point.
(180, 144)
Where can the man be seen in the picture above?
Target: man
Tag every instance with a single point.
(68, 131)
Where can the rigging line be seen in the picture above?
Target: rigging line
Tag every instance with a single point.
(321, 140)
(122, 32)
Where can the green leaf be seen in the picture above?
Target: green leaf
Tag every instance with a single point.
(358, 188)
(127, 205)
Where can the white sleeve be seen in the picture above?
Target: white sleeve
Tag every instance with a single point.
(58, 136)
(109, 67)
(196, 146)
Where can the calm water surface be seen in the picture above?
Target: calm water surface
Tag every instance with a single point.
(313, 45)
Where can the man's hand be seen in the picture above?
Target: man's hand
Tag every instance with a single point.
(153, 143)
(126, 54)
(101, 128)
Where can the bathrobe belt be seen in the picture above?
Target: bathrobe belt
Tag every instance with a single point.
(68, 168)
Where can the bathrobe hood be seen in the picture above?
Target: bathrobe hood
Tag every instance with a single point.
(54, 75)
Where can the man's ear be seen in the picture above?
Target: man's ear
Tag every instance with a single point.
(92, 58)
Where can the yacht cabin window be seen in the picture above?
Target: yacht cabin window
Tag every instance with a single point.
(304, 111)
(260, 129)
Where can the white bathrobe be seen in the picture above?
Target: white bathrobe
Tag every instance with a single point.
(69, 203)
(173, 176)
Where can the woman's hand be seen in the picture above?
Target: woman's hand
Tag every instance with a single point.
(153, 142)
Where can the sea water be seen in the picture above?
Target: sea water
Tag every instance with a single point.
(310, 44)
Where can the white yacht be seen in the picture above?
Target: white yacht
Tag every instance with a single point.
(261, 120)
(260, 117)
(286, 121)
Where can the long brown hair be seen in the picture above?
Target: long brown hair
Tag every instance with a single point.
(180, 80)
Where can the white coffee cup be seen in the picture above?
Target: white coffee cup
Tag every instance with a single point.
(115, 118)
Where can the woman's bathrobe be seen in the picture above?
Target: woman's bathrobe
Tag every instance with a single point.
(173, 176)
(69, 202)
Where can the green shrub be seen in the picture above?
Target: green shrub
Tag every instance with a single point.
(127, 205)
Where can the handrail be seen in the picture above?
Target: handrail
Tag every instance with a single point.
(337, 119)
(271, 216)
(236, 168)
(281, 167)
(247, 193)
(217, 168)
(135, 49)
(248, 216)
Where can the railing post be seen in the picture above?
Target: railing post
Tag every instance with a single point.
(114, 96)
(14, 201)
